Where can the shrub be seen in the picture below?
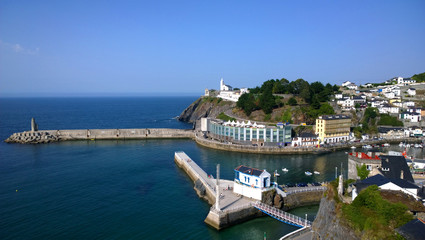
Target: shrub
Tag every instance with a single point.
(224, 117)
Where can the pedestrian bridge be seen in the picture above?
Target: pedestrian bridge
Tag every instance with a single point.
(282, 215)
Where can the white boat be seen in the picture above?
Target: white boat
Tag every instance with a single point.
(401, 144)
(316, 172)
(418, 146)
(285, 170)
(308, 173)
(353, 147)
(386, 145)
(367, 146)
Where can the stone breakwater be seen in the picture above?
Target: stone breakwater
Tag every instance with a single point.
(47, 136)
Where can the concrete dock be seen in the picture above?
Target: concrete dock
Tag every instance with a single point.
(233, 209)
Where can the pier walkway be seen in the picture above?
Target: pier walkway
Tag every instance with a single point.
(282, 215)
(197, 171)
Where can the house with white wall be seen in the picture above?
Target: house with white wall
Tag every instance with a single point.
(227, 92)
(389, 94)
(411, 91)
(385, 183)
(387, 109)
(305, 140)
(251, 182)
(404, 81)
(352, 86)
(412, 117)
(346, 83)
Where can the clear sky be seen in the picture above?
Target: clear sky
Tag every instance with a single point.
(62, 48)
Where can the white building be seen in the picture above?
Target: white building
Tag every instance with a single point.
(339, 96)
(408, 104)
(305, 140)
(346, 83)
(411, 92)
(389, 95)
(412, 117)
(386, 108)
(396, 91)
(387, 184)
(377, 103)
(404, 81)
(227, 93)
(352, 86)
(251, 182)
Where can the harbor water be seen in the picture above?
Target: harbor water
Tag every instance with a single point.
(124, 189)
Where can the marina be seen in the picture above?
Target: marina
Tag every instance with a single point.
(233, 207)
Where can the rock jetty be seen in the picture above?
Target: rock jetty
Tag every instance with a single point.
(33, 137)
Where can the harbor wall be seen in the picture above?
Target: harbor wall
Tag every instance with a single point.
(224, 219)
(45, 136)
(203, 188)
(257, 149)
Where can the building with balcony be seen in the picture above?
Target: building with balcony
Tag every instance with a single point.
(333, 128)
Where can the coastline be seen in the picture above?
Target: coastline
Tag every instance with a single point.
(48, 136)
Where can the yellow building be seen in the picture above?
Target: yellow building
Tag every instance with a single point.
(333, 128)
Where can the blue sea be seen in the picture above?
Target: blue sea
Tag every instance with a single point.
(123, 189)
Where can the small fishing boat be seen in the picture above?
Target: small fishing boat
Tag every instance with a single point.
(316, 172)
(367, 146)
(285, 170)
(308, 173)
(386, 145)
(353, 147)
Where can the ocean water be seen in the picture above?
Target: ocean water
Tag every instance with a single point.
(123, 189)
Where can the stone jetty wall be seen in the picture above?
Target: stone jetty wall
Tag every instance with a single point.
(263, 150)
(46, 136)
(202, 188)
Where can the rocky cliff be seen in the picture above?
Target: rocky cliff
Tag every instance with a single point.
(205, 107)
(329, 224)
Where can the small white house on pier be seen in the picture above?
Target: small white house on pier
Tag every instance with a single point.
(251, 182)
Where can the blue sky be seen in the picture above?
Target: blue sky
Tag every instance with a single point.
(62, 48)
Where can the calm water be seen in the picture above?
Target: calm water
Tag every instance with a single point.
(122, 189)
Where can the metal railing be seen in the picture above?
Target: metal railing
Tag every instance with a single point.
(309, 189)
(282, 215)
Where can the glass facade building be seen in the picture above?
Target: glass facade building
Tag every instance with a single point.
(250, 134)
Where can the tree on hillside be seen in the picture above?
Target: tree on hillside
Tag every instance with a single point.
(317, 87)
(246, 102)
(292, 101)
(315, 103)
(419, 77)
(326, 109)
(267, 102)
